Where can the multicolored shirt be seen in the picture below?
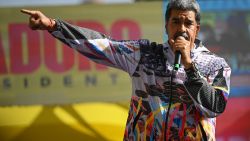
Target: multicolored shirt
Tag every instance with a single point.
(165, 104)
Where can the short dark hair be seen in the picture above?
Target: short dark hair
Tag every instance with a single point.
(183, 5)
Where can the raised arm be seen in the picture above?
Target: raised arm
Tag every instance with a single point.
(96, 46)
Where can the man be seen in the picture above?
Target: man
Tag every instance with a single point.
(168, 102)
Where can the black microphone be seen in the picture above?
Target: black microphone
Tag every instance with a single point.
(177, 59)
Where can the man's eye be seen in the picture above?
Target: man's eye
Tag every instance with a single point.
(176, 22)
(189, 23)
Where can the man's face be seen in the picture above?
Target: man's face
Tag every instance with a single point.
(182, 21)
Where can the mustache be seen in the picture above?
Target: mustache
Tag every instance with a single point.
(183, 34)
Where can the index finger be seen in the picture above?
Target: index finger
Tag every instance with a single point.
(29, 12)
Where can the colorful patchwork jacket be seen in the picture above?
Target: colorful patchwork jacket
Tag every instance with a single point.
(165, 104)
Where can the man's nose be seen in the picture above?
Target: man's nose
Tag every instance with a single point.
(182, 28)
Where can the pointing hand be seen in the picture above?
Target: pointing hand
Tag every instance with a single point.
(38, 21)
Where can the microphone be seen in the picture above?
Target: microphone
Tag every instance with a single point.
(177, 59)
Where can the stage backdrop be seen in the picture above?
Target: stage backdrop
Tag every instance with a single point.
(50, 92)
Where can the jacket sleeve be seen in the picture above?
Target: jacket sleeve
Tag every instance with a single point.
(98, 47)
(210, 94)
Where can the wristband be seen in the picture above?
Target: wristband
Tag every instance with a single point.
(51, 26)
(192, 72)
(193, 68)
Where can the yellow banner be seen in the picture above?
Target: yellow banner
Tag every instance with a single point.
(35, 68)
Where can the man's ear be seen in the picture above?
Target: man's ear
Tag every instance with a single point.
(166, 28)
(198, 30)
